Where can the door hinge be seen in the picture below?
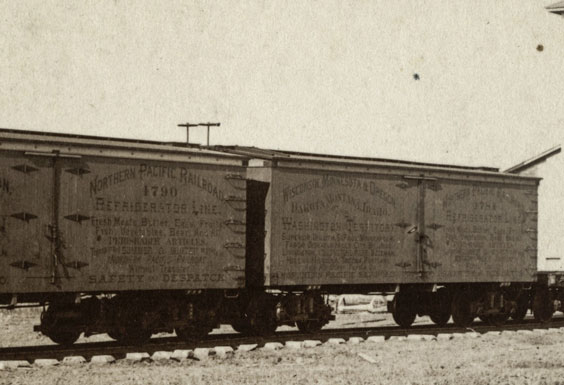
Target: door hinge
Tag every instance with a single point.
(26, 217)
(77, 218)
(25, 168)
(75, 264)
(24, 265)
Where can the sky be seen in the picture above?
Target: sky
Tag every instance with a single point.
(320, 76)
(461, 82)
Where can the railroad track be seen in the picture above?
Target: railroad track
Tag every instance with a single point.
(88, 350)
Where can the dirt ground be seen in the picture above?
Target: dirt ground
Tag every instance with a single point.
(509, 359)
(515, 359)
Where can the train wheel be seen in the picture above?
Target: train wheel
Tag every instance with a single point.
(495, 319)
(542, 306)
(130, 335)
(114, 335)
(462, 309)
(522, 307)
(65, 338)
(404, 312)
(58, 326)
(242, 326)
(192, 333)
(440, 310)
(264, 323)
(440, 319)
(262, 315)
(128, 316)
(310, 326)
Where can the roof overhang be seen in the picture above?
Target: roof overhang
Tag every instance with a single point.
(556, 8)
(523, 166)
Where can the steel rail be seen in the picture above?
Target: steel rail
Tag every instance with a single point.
(87, 350)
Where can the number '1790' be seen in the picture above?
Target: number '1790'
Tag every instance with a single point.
(160, 191)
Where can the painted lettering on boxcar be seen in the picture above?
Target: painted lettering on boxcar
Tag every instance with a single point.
(483, 225)
(185, 277)
(128, 238)
(327, 181)
(101, 183)
(120, 205)
(145, 222)
(115, 278)
(179, 175)
(336, 228)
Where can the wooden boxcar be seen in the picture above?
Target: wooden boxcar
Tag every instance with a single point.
(460, 240)
(83, 215)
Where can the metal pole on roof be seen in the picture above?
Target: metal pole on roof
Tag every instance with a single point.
(187, 125)
(208, 125)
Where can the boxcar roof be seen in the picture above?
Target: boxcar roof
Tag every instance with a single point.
(303, 159)
(234, 152)
(88, 141)
(260, 153)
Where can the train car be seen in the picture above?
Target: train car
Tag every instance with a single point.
(550, 242)
(132, 238)
(119, 236)
(448, 240)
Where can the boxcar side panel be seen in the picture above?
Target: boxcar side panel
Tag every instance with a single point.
(333, 227)
(340, 228)
(26, 225)
(134, 224)
(479, 231)
(84, 223)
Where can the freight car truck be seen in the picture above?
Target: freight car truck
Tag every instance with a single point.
(448, 240)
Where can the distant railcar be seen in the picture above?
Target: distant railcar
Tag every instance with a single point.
(550, 262)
